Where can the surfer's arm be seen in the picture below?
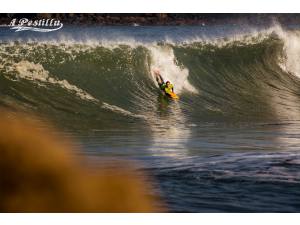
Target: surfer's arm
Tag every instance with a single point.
(160, 79)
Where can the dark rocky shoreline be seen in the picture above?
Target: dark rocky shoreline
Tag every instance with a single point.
(155, 18)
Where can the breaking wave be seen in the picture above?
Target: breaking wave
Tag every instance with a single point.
(251, 76)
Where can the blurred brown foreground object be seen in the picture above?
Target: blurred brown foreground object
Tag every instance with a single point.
(39, 172)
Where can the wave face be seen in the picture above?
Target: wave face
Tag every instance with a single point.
(237, 120)
(254, 76)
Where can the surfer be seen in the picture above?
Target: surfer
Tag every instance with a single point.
(167, 87)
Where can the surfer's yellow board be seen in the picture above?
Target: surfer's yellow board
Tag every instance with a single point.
(174, 96)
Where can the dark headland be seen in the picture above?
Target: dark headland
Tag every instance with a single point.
(156, 18)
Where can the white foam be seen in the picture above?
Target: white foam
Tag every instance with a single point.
(164, 60)
(36, 73)
(291, 40)
(120, 110)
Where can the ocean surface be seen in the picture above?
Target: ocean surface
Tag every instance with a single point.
(230, 144)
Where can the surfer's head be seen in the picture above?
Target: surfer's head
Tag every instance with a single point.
(168, 83)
